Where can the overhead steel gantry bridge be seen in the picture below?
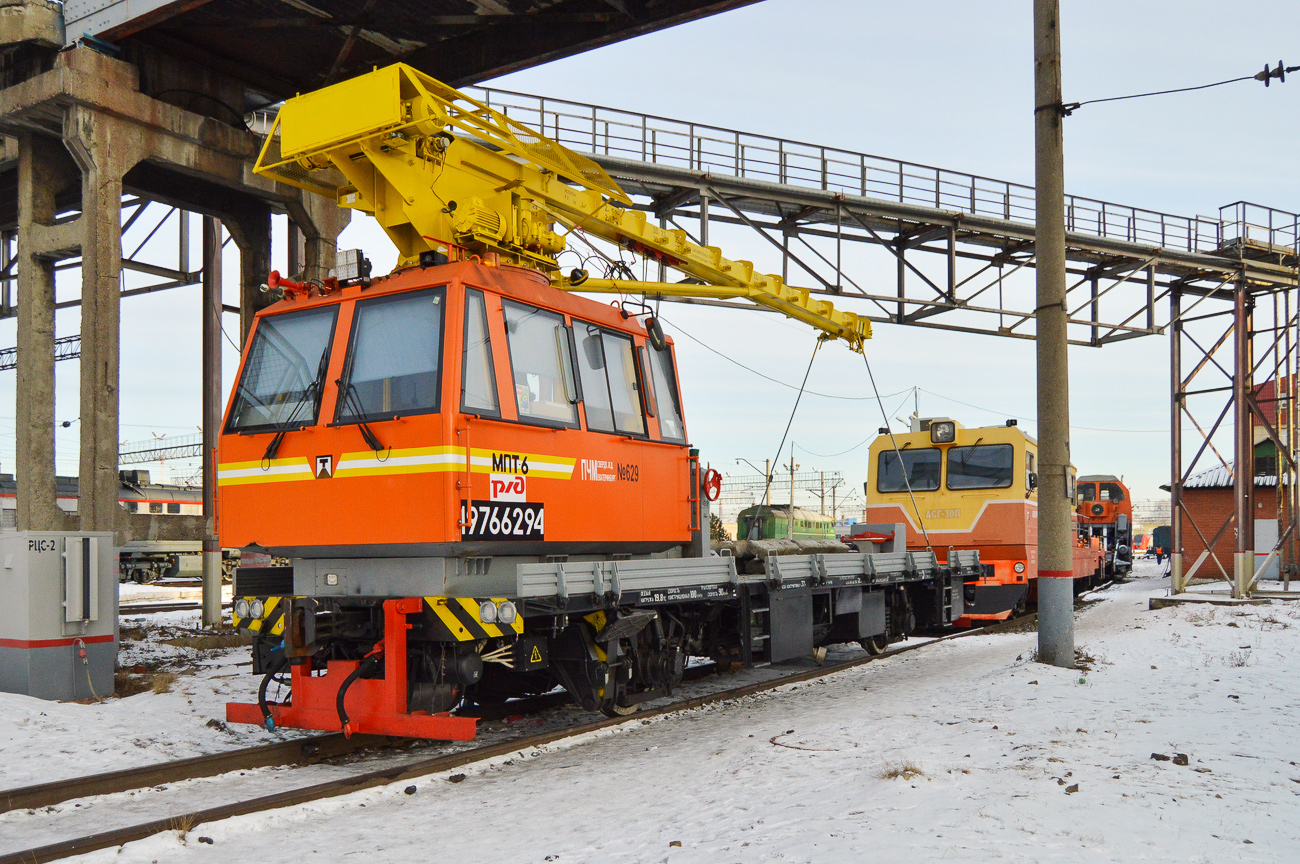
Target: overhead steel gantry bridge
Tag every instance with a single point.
(813, 203)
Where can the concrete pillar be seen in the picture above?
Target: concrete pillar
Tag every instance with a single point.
(211, 417)
(1055, 517)
(251, 232)
(105, 149)
(320, 221)
(44, 170)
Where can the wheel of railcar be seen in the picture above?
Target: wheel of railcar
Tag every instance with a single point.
(613, 695)
(613, 709)
(875, 645)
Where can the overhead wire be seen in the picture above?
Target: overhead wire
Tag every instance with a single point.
(777, 461)
(897, 453)
(767, 377)
(866, 440)
(1033, 420)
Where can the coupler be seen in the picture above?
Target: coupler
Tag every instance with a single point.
(343, 701)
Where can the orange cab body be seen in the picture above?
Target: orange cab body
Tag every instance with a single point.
(327, 493)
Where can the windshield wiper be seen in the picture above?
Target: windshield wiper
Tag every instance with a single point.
(311, 392)
(350, 397)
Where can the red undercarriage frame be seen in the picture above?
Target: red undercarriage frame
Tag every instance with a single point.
(374, 706)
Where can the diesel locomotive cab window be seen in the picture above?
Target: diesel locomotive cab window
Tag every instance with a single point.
(987, 466)
(285, 373)
(541, 366)
(394, 357)
(667, 402)
(607, 368)
(478, 392)
(922, 467)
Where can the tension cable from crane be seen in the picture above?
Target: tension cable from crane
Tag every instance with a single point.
(1266, 75)
(768, 480)
(898, 454)
(678, 328)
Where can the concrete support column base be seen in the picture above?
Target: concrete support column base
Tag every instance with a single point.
(1056, 620)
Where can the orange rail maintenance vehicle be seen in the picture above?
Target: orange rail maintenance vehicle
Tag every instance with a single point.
(483, 481)
(1105, 511)
(970, 488)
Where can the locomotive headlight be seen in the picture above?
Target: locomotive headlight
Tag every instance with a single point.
(1020, 567)
(241, 608)
(256, 609)
(487, 612)
(943, 432)
(506, 613)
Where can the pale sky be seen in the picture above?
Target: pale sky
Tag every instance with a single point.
(945, 83)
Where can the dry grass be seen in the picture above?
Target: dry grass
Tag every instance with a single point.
(162, 682)
(183, 824)
(1238, 659)
(903, 770)
(209, 641)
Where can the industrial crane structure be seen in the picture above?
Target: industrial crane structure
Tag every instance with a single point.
(449, 178)
(483, 481)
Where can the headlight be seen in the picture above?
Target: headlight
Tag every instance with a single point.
(1020, 567)
(506, 613)
(487, 612)
(943, 432)
(241, 608)
(256, 609)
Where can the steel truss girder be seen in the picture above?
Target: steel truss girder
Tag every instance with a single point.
(1140, 277)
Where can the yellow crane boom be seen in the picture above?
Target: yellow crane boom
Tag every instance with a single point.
(447, 177)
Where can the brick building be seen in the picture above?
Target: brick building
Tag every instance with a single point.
(1207, 502)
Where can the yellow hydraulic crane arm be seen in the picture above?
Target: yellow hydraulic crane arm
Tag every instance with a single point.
(448, 177)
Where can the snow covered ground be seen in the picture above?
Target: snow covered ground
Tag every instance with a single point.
(964, 750)
(42, 741)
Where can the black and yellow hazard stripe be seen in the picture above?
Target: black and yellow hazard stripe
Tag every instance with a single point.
(457, 619)
(272, 620)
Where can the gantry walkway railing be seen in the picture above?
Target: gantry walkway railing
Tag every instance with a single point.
(714, 149)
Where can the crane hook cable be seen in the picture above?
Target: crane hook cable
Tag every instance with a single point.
(777, 461)
(898, 453)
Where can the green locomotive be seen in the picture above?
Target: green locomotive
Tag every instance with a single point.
(764, 522)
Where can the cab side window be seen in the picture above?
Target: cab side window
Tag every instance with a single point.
(478, 391)
(609, 381)
(668, 404)
(541, 366)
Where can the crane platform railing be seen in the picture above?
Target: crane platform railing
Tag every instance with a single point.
(710, 149)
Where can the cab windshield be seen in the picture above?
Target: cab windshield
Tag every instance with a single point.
(981, 466)
(285, 373)
(394, 358)
(921, 467)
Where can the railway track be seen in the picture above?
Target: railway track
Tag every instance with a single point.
(323, 747)
(149, 608)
